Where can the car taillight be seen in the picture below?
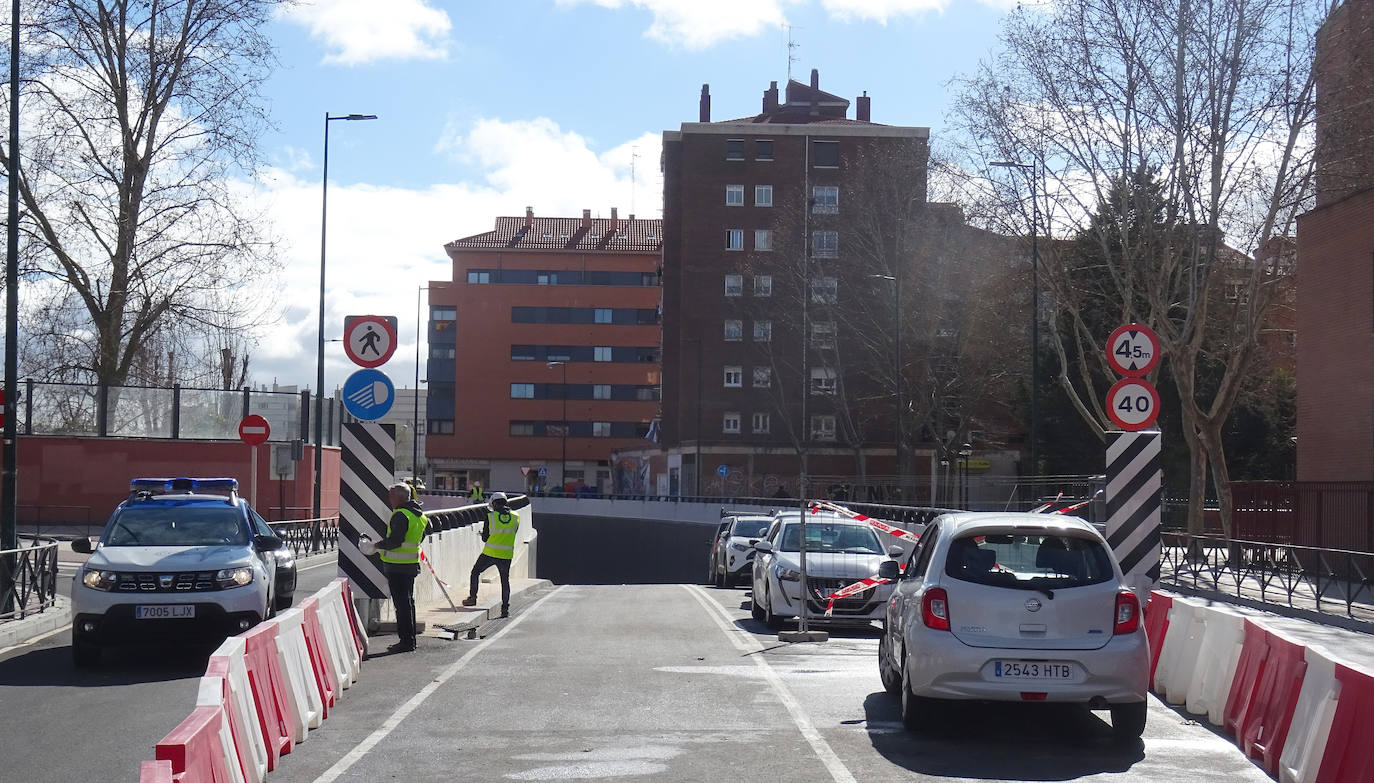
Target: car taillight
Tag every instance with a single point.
(1127, 613)
(935, 609)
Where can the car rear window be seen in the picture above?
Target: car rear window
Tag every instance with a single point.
(1029, 561)
(750, 528)
(177, 526)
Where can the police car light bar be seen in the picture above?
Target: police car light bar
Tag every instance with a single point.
(183, 484)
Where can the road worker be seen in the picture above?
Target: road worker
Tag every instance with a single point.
(400, 555)
(498, 531)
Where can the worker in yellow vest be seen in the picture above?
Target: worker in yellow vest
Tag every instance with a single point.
(400, 555)
(499, 534)
(475, 494)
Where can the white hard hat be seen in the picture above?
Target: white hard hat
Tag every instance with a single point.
(366, 546)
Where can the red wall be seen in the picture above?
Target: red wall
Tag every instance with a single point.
(81, 480)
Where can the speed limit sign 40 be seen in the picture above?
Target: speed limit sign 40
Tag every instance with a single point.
(1133, 404)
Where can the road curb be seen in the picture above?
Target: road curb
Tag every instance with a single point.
(15, 633)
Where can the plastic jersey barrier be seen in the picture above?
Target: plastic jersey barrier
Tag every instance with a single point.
(213, 692)
(276, 713)
(1222, 641)
(155, 772)
(1175, 636)
(1156, 623)
(228, 663)
(355, 623)
(1266, 724)
(337, 636)
(1191, 622)
(294, 659)
(1311, 726)
(1349, 753)
(194, 749)
(318, 652)
(1249, 671)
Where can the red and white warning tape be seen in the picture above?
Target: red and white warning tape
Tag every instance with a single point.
(854, 589)
(907, 535)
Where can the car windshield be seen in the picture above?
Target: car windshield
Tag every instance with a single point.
(177, 525)
(823, 537)
(1029, 561)
(749, 528)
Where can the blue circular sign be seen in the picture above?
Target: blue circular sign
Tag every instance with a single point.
(368, 394)
(723, 470)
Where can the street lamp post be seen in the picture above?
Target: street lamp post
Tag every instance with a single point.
(319, 355)
(1035, 305)
(965, 453)
(563, 470)
(899, 437)
(415, 430)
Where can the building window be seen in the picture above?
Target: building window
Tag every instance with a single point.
(763, 195)
(763, 149)
(734, 239)
(825, 244)
(763, 285)
(823, 427)
(601, 391)
(825, 199)
(521, 429)
(823, 334)
(734, 330)
(734, 195)
(825, 154)
(522, 391)
(442, 352)
(761, 423)
(763, 377)
(734, 377)
(601, 429)
(763, 240)
(443, 313)
(602, 315)
(763, 331)
(825, 290)
(477, 277)
(734, 149)
(730, 423)
(601, 353)
(734, 285)
(440, 427)
(822, 380)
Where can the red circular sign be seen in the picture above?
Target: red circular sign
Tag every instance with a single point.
(254, 429)
(369, 340)
(1133, 404)
(1133, 350)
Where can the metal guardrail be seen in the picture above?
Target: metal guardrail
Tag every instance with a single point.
(1300, 577)
(28, 580)
(309, 536)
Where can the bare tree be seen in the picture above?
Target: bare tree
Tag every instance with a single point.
(1213, 99)
(137, 117)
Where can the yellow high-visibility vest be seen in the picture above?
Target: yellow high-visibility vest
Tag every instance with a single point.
(501, 527)
(409, 550)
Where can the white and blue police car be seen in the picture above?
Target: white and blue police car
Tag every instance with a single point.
(182, 558)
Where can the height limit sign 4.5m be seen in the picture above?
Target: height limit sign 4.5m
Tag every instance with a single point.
(1133, 350)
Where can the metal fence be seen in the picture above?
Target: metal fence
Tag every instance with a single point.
(28, 579)
(308, 536)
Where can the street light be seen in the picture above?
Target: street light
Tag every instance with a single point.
(1035, 303)
(563, 471)
(965, 452)
(415, 403)
(900, 437)
(319, 355)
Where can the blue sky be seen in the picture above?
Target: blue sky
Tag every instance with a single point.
(487, 107)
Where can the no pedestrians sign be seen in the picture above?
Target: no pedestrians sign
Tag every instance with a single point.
(369, 340)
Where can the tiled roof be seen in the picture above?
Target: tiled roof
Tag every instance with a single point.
(554, 233)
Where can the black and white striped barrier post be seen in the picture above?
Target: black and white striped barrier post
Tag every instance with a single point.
(367, 458)
(1134, 479)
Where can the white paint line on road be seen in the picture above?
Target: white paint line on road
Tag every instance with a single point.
(744, 641)
(318, 565)
(35, 639)
(353, 756)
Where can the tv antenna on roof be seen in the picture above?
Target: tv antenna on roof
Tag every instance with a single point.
(791, 44)
(634, 157)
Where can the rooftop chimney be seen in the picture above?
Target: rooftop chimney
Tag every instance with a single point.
(615, 222)
(770, 98)
(587, 219)
(529, 217)
(705, 112)
(861, 113)
(815, 79)
(815, 88)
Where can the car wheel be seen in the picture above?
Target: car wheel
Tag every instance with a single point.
(721, 578)
(1128, 720)
(755, 609)
(282, 602)
(892, 680)
(916, 710)
(85, 654)
(769, 619)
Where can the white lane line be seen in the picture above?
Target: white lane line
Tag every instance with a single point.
(319, 565)
(35, 639)
(353, 756)
(744, 641)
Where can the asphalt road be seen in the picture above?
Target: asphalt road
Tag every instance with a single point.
(62, 724)
(678, 683)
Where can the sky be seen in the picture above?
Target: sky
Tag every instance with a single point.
(485, 108)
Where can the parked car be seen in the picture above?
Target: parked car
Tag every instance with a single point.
(839, 552)
(1014, 607)
(732, 556)
(181, 558)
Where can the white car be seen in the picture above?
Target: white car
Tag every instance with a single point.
(181, 558)
(1014, 607)
(732, 557)
(839, 552)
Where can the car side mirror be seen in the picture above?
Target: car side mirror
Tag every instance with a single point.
(888, 570)
(265, 543)
(895, 552)
(764, 546)
(82, 545)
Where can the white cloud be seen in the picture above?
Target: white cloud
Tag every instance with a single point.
(697, 24)
(362, 31)
(880, 10)
(385, 242)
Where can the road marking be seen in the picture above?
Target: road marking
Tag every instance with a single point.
(353, 756)
(53, 632)
(318, 565)
(744, 641)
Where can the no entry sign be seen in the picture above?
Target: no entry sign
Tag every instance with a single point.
(254, 430)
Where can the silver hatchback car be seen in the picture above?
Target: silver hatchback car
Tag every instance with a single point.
(1014, 607)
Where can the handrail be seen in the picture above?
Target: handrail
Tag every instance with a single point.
(28, 580)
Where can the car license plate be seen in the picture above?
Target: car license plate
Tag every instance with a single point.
(1031, 670)
(164, 611)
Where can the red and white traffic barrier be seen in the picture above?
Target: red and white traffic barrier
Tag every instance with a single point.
(307, 705)
(1312, 717)
(326, 678)
(1223, 638)
(271, 698)
(228, 663)
(195, 749)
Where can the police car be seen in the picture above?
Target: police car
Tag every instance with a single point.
(181, 558)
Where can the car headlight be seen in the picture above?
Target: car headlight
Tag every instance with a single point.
(234, 577)
(787, 574)
(738, 547)
(99, 580)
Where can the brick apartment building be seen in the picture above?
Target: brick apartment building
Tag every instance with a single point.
(1336, 255)
(547, 322)
(785, 235)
